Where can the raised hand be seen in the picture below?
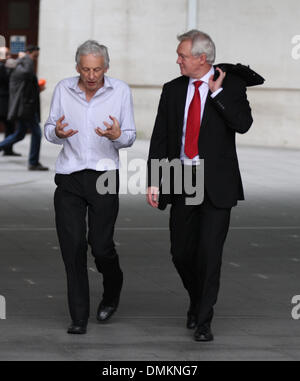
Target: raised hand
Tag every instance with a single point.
(112, 132)
(217, 84)
(59, 129)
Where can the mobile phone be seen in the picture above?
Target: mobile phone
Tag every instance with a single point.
(217, 73)
(216, 76)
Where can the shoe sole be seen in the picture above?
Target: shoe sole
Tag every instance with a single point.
(204, 340)
(76, 333)
(36, 169)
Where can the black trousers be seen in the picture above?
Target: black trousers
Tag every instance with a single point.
(198, 234)
(76, 198)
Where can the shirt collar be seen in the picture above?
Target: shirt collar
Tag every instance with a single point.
(205, 78)
(74, 85)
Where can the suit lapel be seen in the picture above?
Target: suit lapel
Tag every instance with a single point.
(206, 113)
(180, 105)
(202, 141)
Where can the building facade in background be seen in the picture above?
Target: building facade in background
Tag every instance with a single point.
(141, 37)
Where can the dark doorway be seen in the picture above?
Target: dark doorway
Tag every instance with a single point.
(19, 18)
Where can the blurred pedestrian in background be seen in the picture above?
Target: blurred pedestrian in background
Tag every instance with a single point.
(6, 66)
(24, 106)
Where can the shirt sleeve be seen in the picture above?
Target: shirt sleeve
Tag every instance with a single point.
(54, 115)
(215, 93)
(127, 125)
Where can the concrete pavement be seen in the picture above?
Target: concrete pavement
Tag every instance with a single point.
(261, 268)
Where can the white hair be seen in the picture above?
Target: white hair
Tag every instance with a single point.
(92, 47)
(201, 44)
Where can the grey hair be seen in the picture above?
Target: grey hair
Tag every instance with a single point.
(201, 44)
(92, 47)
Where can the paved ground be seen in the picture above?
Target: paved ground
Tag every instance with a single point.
(260, 275)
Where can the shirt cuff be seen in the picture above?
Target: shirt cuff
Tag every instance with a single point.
(54, 138)
(215, 93)
(120, 140)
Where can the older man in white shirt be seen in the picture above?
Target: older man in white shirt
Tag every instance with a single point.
(91, 116)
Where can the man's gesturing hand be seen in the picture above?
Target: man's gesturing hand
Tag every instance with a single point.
(152, 196)
(59, 129)
(217, 84)
(112, 131)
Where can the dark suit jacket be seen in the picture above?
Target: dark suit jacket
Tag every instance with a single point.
(229, 112)
(24, 93)
(4, 80)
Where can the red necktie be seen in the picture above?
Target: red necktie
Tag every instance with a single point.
(193, 124)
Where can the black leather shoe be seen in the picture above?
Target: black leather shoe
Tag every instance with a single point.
(77, 328)
(203, 333)
(38, 167)
(191, 322)
(11, 153)
(105, 312)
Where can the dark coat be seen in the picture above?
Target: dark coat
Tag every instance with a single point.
(24, 93)
(225, 115)
(4, 81)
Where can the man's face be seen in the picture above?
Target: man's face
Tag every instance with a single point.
(91, 69)
(189, 65)
(34, 55)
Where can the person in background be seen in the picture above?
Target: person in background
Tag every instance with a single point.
(6, 67)
(24, 106)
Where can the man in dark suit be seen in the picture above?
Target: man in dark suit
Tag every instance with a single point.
(198, 117)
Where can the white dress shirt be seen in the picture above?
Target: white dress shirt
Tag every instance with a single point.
(203, 90)
(86, 149)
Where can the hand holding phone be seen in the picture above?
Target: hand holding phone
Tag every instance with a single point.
(216, 75)
(216, 80)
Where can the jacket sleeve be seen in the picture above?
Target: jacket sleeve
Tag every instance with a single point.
(233, 105)
(24, 69)
(3, 76)
(158, 142)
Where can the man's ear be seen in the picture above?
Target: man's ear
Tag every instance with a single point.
(203, 58)
(77, 69)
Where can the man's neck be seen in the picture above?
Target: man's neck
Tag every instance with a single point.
(204, 70)
(89, 93)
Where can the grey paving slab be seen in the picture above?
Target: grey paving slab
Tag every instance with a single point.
(260, 275)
